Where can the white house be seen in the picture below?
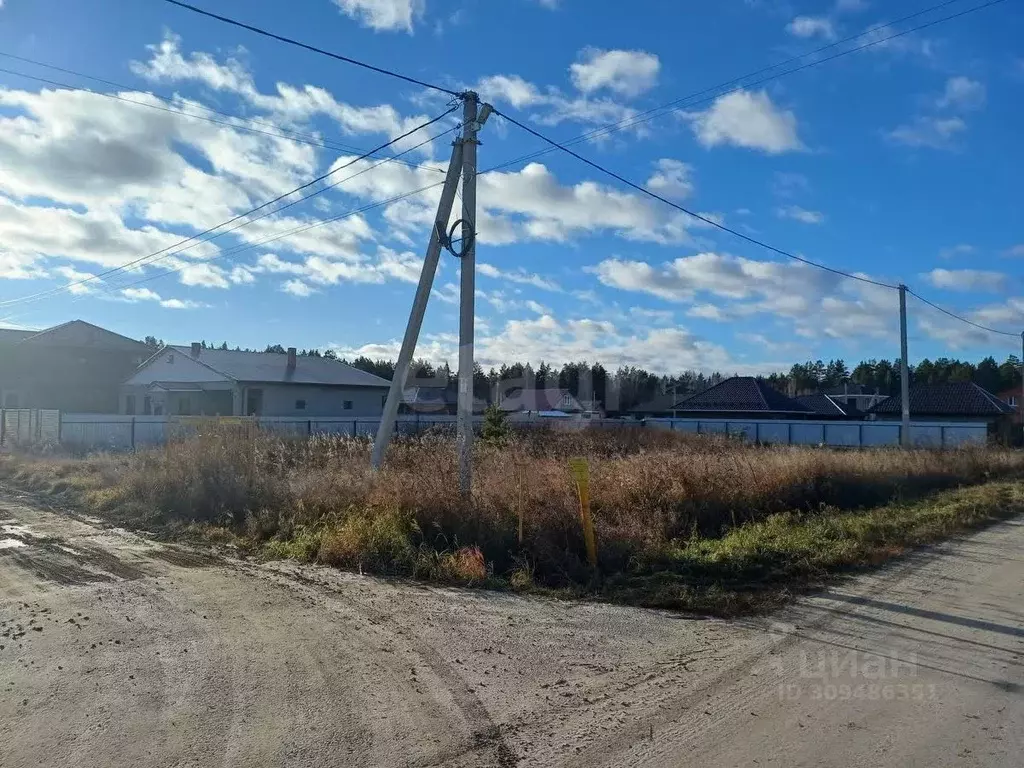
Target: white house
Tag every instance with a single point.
(192, 381)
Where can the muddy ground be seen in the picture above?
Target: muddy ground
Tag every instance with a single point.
(118, 650)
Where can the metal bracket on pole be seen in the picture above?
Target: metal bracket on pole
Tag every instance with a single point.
(904, 371)
(419, 307)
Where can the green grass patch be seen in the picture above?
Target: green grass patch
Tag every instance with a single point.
(759, 565)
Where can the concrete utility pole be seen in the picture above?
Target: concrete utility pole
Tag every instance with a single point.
(419, 306)
(904, 371)
(1020, 400)
(467, 305)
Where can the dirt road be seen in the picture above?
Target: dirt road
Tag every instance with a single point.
(116, 650)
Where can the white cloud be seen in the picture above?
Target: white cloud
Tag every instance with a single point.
(133, 295)
(529, 204)
(708, 312)
(789, 184)
(78, 282)
(812, 26)
(99, 237)
(818, 304)
(519, 275)
(1010, 314)
(596, 339)
(293, 104)
(931, 132)
(553, 105)
(967, 280)
(203, 275)
(381, 15)
(241, 276)
(140, 294)
(297, 288)
(963, 249)
(803, 215)
(1016, 250)
(962, 94)
(181, 304)
(747, 119)
(878, 37)
(627, 73)
(672, 178)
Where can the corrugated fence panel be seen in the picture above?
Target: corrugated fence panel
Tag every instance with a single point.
(926, 436)
(847, 435)
(773, 432)
(877, 434)
(119, 432)
(807, 433)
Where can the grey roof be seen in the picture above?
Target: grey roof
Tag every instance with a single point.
(272, 368)
(79, 333)
(14, 335)
(539, 400)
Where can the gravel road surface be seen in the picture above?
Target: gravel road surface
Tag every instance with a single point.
(117, 650)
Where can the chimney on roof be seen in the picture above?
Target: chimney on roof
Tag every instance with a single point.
(196, 347)
(291, 358)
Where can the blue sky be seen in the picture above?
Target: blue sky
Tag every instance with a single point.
(900, 163)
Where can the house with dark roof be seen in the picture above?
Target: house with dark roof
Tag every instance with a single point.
(1013, 398)
(830, 406)
(743, 397)
(75, 367)
(539, 401)
(950, 401)
(193, 381)
(858, 395)
(436, 400)
(661, 406)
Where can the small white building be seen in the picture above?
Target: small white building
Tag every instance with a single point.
(192, 381)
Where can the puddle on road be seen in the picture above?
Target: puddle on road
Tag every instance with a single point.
(11, 543)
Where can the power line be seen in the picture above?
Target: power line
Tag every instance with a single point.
(313, 48)
(282, 133)
(688, 212)
(961, 318)
(282, 235)
(677, 104)
(63, 288)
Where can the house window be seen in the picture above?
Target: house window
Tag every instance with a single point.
(158, 409)
(184, 406)
(129, 404)
(1012, 400)
(170, 359)
(147, 405)
(346, 405)
(300, 405)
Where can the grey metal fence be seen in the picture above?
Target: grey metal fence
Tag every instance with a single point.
(29, 426)
(115, 432)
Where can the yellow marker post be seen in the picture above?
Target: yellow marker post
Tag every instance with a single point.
(581, 474)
